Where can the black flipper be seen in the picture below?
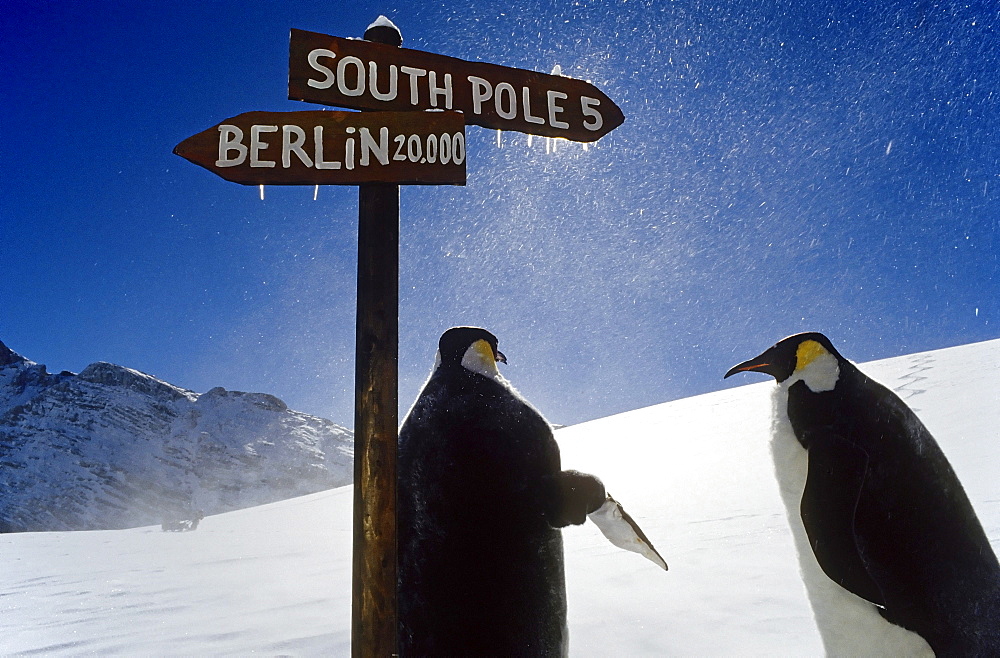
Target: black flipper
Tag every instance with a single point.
(576, 495)
(837, 470)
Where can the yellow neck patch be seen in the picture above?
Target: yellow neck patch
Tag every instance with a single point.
(807, 352)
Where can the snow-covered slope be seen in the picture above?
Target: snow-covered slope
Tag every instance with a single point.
(694, 473)
(115, 448)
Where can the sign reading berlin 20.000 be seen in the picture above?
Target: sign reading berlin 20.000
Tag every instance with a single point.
(319, 147)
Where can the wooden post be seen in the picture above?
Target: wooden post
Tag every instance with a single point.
(373, 627)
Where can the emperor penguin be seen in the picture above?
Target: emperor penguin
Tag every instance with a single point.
(893, 557)
(480, 501)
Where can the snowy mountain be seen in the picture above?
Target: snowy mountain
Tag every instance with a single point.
(113, 448)
(695, 474)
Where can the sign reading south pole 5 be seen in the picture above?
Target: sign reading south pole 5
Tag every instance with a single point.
(364, 75)
(321, 147)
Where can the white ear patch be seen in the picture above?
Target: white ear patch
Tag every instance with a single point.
(821, 374)
(479, 358)
(816, 367)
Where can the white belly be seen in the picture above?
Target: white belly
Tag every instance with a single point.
(849, 625)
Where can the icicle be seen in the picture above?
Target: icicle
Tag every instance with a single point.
(530, 140)
(550, 144)
(261, 192)
(499, 133)
(315, 192)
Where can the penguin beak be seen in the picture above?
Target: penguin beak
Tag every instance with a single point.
(762, 363)
(500, 357)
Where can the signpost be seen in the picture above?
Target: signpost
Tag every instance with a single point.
(371, 76)
(412, 132)
(376, 404)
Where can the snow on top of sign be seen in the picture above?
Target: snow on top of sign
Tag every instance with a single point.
(382, 21)
(384, 31)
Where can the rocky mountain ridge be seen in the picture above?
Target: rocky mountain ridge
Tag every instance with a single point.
(112, 447)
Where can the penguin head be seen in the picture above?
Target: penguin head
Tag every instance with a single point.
(472, 348)
(809, 357)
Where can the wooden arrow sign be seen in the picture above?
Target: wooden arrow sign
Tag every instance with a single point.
(365, 75)
(321, 147)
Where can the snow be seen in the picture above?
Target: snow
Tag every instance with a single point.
(266, 579)
(382, 21)
(695, 474)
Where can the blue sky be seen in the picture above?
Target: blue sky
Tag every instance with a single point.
(829, 166)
